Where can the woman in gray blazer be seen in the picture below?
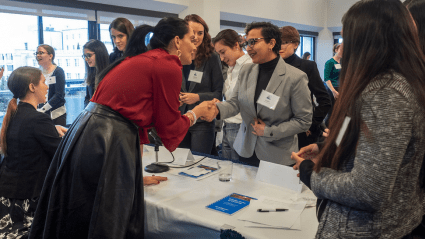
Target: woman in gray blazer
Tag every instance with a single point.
(370, 172)
(268, 133)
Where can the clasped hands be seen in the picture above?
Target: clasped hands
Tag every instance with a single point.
(207, 110)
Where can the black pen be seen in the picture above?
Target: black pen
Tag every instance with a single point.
(273, 210)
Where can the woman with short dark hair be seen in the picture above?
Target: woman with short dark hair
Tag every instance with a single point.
(202, 81)
(29, 140)
(94, 188)
(55, 78)
(227, 44)
(120, 31)
(96, 59)
(272, 97)
(290, 43)
(370, 171)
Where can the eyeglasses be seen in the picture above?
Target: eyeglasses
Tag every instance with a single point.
(251, 42)
(287, 42)
(88, 55)
(39, 53)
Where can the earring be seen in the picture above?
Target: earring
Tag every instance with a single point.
(179, 53)
(270, 49)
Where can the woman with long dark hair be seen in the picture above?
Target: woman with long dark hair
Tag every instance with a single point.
(29, 140)
(120, 30)
(96, 58)
(369, 173)
(55, 78)
(94, 186)
(202, 81)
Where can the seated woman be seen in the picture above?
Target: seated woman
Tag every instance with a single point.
(370, 172)
(94, 187)
(28, 141)
(96, 58)
(268, 132)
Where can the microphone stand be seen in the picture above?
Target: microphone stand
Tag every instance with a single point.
(156, 167)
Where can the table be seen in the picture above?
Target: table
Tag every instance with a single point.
(177, 208)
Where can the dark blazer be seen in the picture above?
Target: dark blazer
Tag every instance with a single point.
(317, 88)
(56, 94)
(32, 141)
(115, 55)
(211, 85)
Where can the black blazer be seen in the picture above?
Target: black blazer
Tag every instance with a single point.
(32, 141)
(317, 88)
(115, 55)
(211, 85)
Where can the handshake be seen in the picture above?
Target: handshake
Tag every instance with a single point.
(207, 110)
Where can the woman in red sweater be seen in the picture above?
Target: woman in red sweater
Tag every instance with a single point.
(94, 185)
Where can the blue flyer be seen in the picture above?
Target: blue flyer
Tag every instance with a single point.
(231, 204)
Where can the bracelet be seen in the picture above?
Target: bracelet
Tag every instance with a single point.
(190, 119)
(194, 116)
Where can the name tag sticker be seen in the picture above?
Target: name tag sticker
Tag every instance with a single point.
(195, 76)
(338, 66)
(51, 80)
(342, 130)
(268, 100)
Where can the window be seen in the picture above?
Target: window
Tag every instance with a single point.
(67, 62)
(72, 36)
(34, 62)
(9, 68)
(67, 47)
(77, 64)
(68, 76)
(59, 62)
(73, 47)
(66, 37)
(106, 38)
(78, 75)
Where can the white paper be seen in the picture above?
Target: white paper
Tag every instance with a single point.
(195, 76)
(342, 130)
(296, 226)
(279, 175)
(51, 80)
(285, 219)
(337, 66)
(181, 156)
(268, 100)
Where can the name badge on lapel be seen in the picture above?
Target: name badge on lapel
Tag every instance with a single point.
(51, 80)
(195, 76)
(338, 66)
(268, 100)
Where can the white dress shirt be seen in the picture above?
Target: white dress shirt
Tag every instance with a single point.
(230, 83)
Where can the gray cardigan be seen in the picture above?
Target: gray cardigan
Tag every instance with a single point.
(376, 194)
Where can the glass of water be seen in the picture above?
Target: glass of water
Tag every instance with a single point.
(225, 170)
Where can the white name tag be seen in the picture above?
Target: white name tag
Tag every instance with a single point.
(342, 130)
(51, 80)
(268, 100)
(338, 66)
(195, 76)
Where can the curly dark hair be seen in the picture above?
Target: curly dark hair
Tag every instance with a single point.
(269, 31)
(206, 48)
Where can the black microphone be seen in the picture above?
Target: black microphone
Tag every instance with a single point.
(156, 167)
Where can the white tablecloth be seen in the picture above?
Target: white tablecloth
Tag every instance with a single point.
(177, 208)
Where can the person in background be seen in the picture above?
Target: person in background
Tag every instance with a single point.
(96, 58)
(94, 188)
(332, 70)
(370, 171)
(202, 81)
(227, 45)
(29, 140)
(120, 30)
(306, 56)
(55, 79)
(290, 43)
(268, 133)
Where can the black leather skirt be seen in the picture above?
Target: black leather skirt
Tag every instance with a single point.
(94, 187)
